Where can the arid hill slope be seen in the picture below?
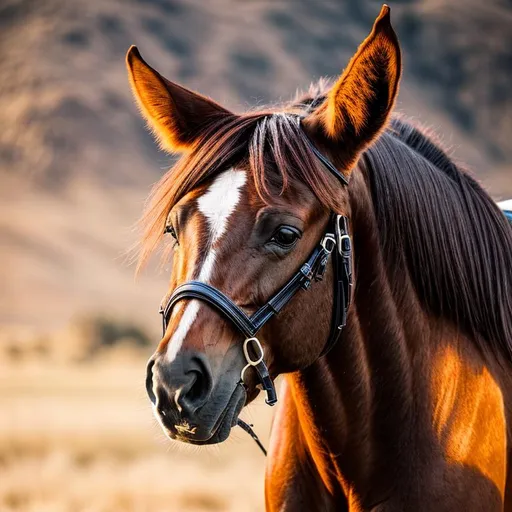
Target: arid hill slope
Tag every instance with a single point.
(76, 161)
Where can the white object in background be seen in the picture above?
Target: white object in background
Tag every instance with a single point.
(506, 205)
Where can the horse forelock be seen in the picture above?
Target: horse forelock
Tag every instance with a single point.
(269, 144)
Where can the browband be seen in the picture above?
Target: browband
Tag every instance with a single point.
(326, 163)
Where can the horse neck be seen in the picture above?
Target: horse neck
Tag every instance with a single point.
(355, 405)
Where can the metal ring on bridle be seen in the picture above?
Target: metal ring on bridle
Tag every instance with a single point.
(250, 361)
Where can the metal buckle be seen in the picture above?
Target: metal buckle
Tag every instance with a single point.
(328, 243)
(342, 235)
(306, 271)
(164, 320)
(340, 245)
(251, 362)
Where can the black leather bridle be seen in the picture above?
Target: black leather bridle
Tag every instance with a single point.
(336, 241)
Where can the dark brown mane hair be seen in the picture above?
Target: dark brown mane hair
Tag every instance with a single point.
(434, 219)
(436, 222)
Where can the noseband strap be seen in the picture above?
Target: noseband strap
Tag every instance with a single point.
(312, 269)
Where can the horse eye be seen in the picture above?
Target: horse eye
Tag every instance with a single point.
(169, 229)
(286, 236)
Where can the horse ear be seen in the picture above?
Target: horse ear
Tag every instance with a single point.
(177, 116)
(357, 107)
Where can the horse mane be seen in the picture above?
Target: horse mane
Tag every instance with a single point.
(434, 219)
(436, 222)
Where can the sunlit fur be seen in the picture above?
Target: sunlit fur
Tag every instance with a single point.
(348, 106)
(469, 415)
(166, 106)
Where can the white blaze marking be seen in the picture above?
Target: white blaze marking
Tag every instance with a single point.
(207, 268)
(217, 204)
(179, 334)
(177, 399)
(220, 201)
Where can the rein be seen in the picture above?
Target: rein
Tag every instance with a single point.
(336, 241)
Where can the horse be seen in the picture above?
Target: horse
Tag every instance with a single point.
(337, 244)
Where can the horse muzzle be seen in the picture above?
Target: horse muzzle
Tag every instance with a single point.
(191, 404)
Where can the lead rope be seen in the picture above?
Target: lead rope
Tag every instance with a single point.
(250, 431)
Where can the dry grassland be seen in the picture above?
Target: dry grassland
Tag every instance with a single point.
(81, 438)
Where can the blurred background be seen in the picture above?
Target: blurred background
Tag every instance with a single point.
(76, 163)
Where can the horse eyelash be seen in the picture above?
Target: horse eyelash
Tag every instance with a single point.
(170, 230)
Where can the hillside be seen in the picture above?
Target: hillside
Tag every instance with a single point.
(76, 161)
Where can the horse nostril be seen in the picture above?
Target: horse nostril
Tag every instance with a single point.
(198, 387)
(149, 381)
(181, 387)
